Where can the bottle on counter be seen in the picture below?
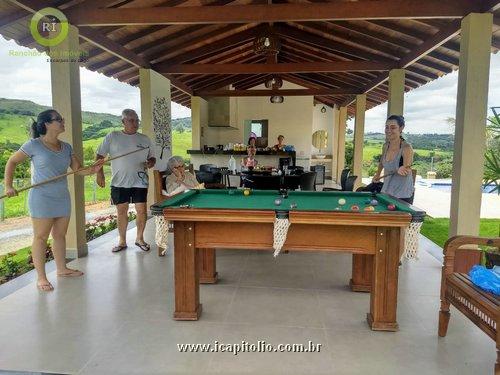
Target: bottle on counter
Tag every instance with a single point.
(231, 165)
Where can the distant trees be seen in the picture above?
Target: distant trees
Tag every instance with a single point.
(6, 150)
(95, 131)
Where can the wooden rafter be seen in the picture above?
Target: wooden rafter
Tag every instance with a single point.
(363, 9)
(283, 92)
(430, 44)
(334, 66)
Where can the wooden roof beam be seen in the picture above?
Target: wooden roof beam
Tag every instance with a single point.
(334, 66)
(431, 43)
(362, 9)
(323, 43)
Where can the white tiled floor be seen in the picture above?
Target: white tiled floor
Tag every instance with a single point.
(117, 319)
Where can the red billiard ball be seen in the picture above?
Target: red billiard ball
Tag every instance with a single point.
(354, 208)
(391, 207)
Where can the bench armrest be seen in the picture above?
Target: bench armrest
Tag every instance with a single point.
(456, 242)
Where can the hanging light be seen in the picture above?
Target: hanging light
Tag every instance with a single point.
(267, 43)
(276, 99)
(274, 83)
(323, 109)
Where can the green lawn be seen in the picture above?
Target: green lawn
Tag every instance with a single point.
(436, 229)
(17, 206)
(13, 128)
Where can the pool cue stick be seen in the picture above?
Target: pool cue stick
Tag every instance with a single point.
(389, 174)
(73, 172)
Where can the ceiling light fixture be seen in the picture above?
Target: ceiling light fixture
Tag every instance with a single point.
(276, 99)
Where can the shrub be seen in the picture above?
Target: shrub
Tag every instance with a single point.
(102, 225)
(444, 169)
(9, 266)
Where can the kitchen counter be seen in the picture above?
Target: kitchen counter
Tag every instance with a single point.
(221, 158)
(232, 152)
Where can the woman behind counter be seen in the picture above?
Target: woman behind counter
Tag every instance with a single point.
(280, 145)
(396, 161)
(249, 161)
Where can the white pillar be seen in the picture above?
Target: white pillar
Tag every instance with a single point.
(199, 121)
(66, 99)
(335, 140)
(342, 113)
(156, 119)
(472, 99)
(359, 134)
(395, 103)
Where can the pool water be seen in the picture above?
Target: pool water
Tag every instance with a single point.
(446, 186)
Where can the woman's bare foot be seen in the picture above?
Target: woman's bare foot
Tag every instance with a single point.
(69, 272)
(44, 285)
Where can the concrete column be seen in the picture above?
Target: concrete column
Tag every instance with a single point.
(359, 134)
(156, 119)
(199, 121)
(395, 104)
(66, 99)
(335, 140)
(472, 99)
(342, 115)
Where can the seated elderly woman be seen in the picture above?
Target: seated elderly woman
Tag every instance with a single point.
(179, 179)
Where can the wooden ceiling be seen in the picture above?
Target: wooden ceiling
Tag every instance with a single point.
(334, 49)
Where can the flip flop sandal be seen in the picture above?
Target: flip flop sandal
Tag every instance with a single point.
(72, 273)
(143, 247)
(118, 248)
(45, 287)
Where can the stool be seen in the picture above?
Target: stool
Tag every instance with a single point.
(225, 176)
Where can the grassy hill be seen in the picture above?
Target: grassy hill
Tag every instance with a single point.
(16, 115)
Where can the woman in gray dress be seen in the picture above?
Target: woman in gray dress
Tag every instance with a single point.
(396, 161)
(49, 204)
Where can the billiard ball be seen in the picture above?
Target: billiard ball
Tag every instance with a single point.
(246, 192)
(374, 202)
(368, 201)
(293, 205)
(354, 208)
(277, 202)
(369, 208)
(337, 208)
(341, 201)
(391, 207)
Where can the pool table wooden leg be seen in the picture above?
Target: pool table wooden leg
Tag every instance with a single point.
(362, 269)
(384, 294)
(208, 273)
(186, 273)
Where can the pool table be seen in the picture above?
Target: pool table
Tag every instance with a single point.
(205, 220)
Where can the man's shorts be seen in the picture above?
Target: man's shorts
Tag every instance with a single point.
(121, 195)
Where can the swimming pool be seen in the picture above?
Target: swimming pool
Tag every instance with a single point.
(446, 186)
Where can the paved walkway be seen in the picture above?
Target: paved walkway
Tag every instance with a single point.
(117, 319)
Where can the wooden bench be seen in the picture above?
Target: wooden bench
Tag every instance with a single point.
(481, 307)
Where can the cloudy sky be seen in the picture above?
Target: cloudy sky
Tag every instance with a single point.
(426, 108)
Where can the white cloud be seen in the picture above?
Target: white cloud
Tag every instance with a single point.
(29, 78)
(426, 108)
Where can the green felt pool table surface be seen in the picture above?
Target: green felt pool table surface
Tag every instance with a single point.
(304, 201)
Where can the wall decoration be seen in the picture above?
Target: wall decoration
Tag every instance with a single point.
(162, 123)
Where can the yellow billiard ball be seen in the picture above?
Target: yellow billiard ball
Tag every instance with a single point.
(246, 192)
(369, 208)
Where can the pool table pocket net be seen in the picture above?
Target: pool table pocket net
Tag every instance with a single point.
(411, 240)
(280, 231)
(161, 236)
